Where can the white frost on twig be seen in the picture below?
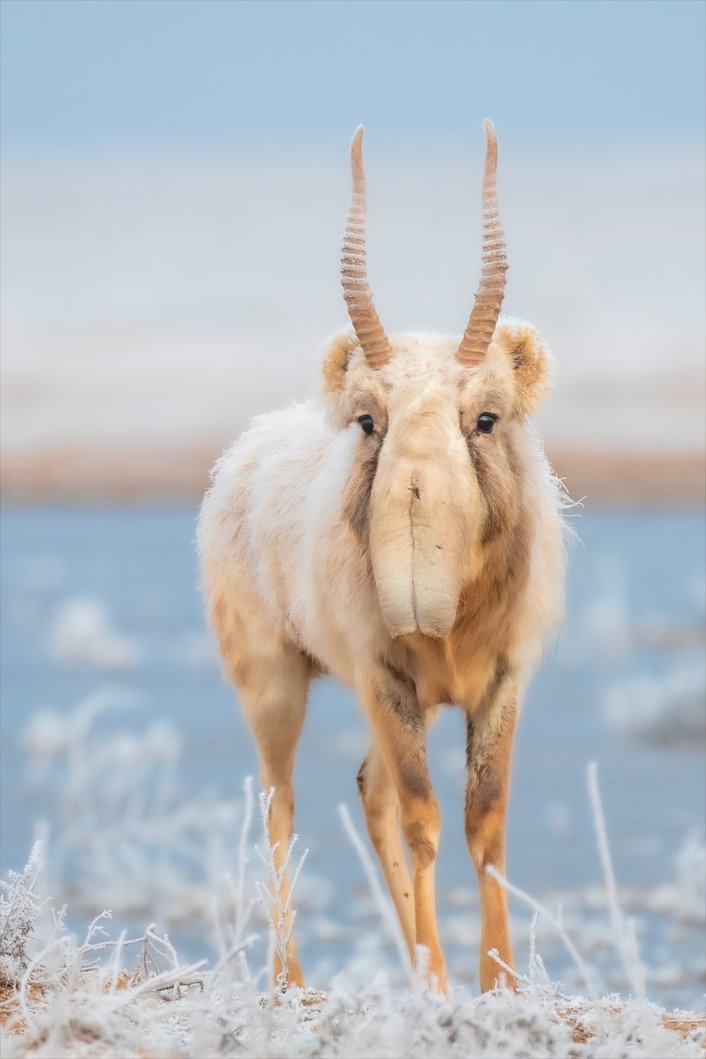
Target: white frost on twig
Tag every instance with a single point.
(276, 898)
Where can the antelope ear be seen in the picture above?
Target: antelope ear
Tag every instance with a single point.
(336, 359)
(530, 361)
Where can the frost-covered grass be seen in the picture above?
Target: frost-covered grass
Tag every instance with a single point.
(140, 1000)
(127, 835)
(19, 909)
(157, 1007)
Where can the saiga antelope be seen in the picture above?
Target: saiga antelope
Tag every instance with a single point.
(402, 531)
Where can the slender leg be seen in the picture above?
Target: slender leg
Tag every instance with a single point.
(381, 805)
(398, 723)
(274, 703)
(489, 748)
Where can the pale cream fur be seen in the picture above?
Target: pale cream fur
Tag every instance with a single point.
(442, 588)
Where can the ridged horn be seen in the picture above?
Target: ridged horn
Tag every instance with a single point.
(491, 289)
(373, 340)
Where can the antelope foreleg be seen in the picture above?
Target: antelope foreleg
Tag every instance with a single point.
(399, 726)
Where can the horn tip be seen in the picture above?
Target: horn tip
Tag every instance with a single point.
(357, 159)
(489, 130)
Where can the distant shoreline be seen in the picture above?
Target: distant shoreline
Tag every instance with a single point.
(139, 474)
(151, 309)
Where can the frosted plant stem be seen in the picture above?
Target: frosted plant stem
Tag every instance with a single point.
(114, 965)
(38, 962)
(495, 955)
(626, 942)
(240, 914)
(235, 949)
(386, 911)
(532, 960)
(218, 934)
(278, 910)
(556, 923)
(166, 979)
(602, 840)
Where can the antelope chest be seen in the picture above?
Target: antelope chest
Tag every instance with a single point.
(460, 673)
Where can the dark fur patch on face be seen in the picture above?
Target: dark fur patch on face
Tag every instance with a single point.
(356, 510)
(512, 456)
(497, 513)
(489, 604)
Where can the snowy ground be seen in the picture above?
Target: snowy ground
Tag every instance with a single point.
(152, 306)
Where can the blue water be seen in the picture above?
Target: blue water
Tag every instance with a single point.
(140, 562)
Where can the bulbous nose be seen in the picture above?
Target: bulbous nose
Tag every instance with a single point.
(415, 549)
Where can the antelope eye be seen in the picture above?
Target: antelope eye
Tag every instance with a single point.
(486, 422)
(367, 424)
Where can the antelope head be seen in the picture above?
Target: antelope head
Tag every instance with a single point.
(437, 483)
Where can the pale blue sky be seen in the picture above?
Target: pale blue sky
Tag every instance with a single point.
(126, 75)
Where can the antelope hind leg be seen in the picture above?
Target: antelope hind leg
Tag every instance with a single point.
(274, 703)
(381, 805)
(489, 748)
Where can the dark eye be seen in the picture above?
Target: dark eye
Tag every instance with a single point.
(486, 422)
(367, 424)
